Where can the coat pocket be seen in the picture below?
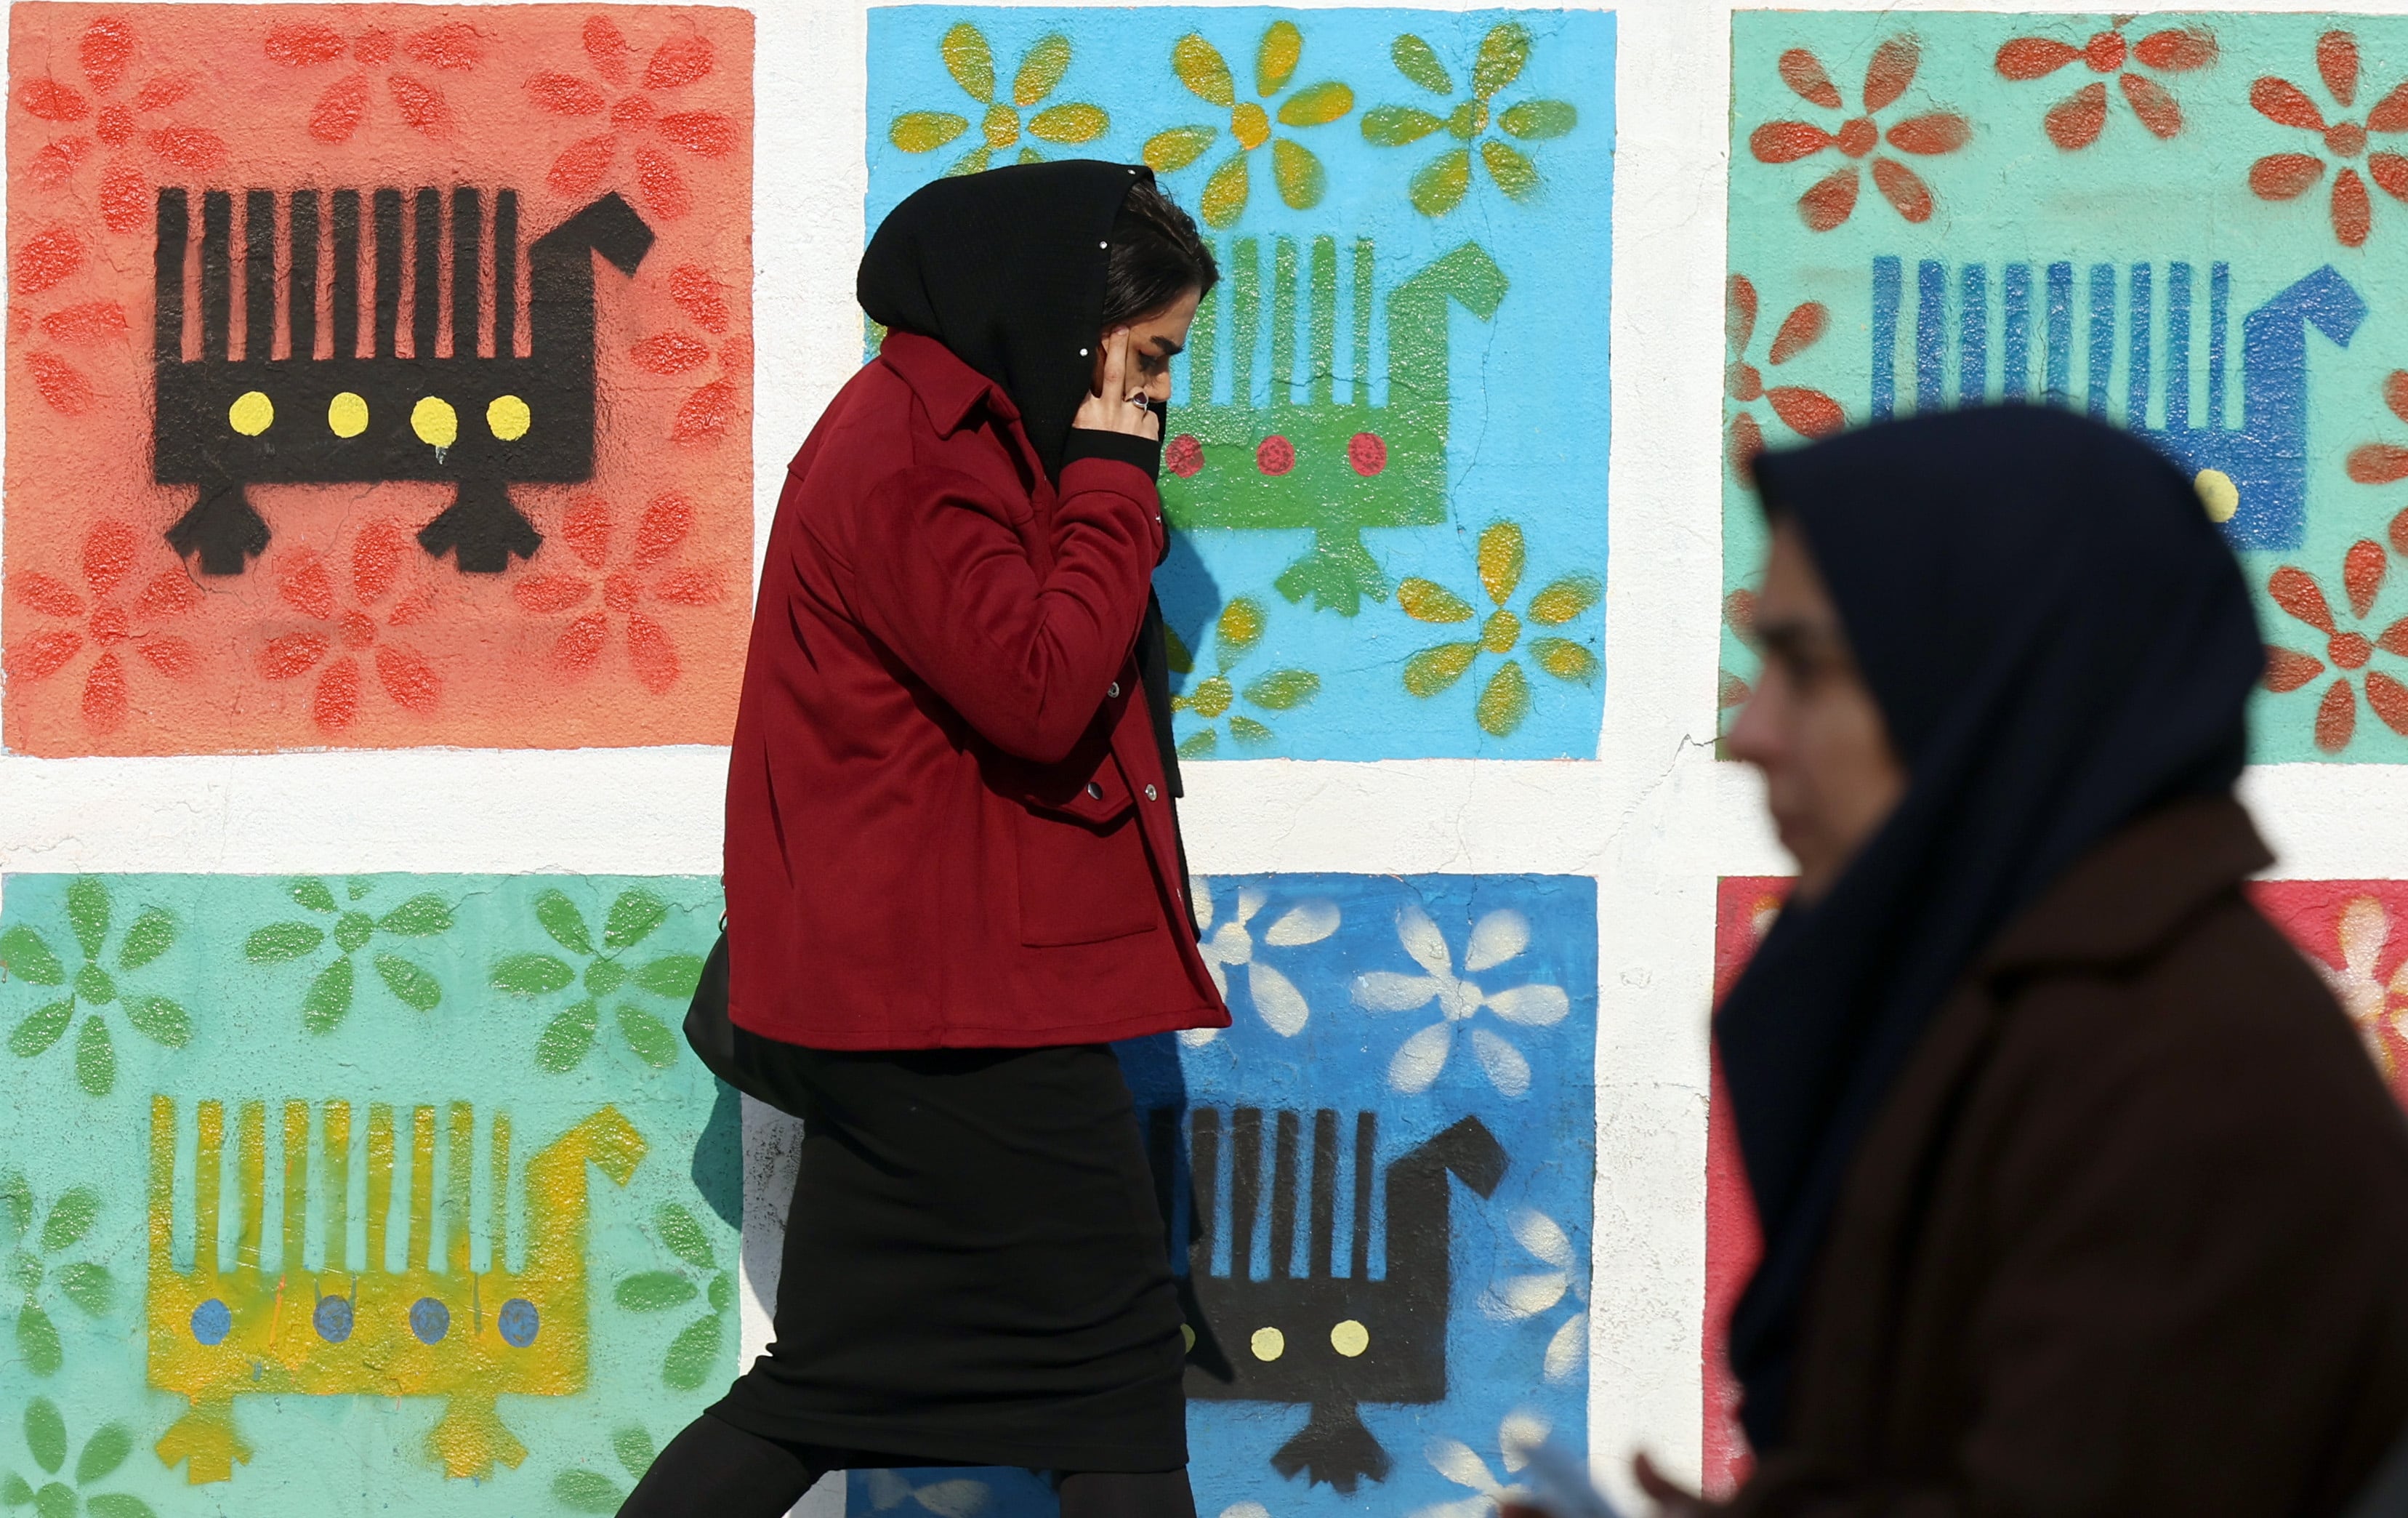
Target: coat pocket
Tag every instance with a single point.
(1083, 880)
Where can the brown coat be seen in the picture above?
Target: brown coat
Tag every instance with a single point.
(2130, 1236)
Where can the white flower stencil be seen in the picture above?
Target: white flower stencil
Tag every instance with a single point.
(1231, 946)
(1517, 1297)
(1496, 938)
(956, 1498)
(2373, 1004)
(1516, 1436)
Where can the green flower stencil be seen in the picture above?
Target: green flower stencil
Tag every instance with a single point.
(696, 1350)
(1441, 183)
(26, 955)
(328, 1000)
(46, 1440)
(569, 1036)
(584, 1491)
(35, 1267)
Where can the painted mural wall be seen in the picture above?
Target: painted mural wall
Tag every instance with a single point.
(383, 390)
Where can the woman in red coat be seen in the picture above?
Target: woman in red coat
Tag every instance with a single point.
(953, 869)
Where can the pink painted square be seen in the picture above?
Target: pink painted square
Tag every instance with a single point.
(614, 613)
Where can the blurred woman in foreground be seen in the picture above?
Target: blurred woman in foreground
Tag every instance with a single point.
(2079, 1193)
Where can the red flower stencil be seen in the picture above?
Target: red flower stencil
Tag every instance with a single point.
(43, 260)
(106, 52)
(1739, 614)
(339, 111)
(2075, 121)
(2297, 593)
(708, 413)
(110, 550)
(2380, 464)
(659, 532)
(1829, 201)
(1810, 413)
(2290, 176)
(581, 169)
(353, 604)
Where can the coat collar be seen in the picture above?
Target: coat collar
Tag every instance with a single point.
(949, 388)
(2122, 898)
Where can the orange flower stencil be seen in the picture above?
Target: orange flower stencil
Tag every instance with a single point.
(1831, 199)
(635, 116)
(627, 583)
(2296, 593)
(102, 620)
(353, 604)
(2076, 120)
(2290, 176)
(1808, 412)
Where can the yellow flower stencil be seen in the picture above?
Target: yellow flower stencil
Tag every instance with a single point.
(1235, 633)
(1505, 701)
(1298, 174)
(971, 63)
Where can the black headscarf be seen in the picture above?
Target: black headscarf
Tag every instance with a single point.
(1005, 268)
(2059, 642)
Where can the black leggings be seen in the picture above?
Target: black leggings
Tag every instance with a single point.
(715, 1469)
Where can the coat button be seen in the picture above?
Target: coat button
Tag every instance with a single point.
(1114, 689)
(1149, 793)
(1094, 791)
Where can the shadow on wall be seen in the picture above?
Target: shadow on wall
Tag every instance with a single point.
(1189, 595)
(717, 1168)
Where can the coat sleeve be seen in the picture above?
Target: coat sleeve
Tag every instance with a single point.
(2184, 1311)
(941, 578)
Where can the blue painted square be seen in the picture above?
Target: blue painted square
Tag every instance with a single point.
(1389, 436)
(1459, 1014)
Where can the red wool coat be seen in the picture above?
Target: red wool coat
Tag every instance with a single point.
(947, 819)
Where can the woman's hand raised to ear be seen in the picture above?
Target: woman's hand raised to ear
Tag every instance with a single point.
(1117, 404)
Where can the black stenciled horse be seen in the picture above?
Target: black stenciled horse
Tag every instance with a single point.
(483, 418)
(1320, 1338)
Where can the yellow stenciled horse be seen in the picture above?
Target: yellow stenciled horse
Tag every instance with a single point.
(373, 1331)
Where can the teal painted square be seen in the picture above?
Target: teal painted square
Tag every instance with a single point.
(1407, 355)
(550, 1001)
(2187, 224)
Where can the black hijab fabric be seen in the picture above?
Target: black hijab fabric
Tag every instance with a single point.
(2059, 642)
(1005, 268)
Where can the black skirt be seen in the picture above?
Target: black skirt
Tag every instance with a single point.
(975, 1267)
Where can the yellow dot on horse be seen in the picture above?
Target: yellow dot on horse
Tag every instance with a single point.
(251, 412)
(508, 418)
(347, 414)
(2217, 493)
(1268, 1345)
(1350, 1338)
(437, 424)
